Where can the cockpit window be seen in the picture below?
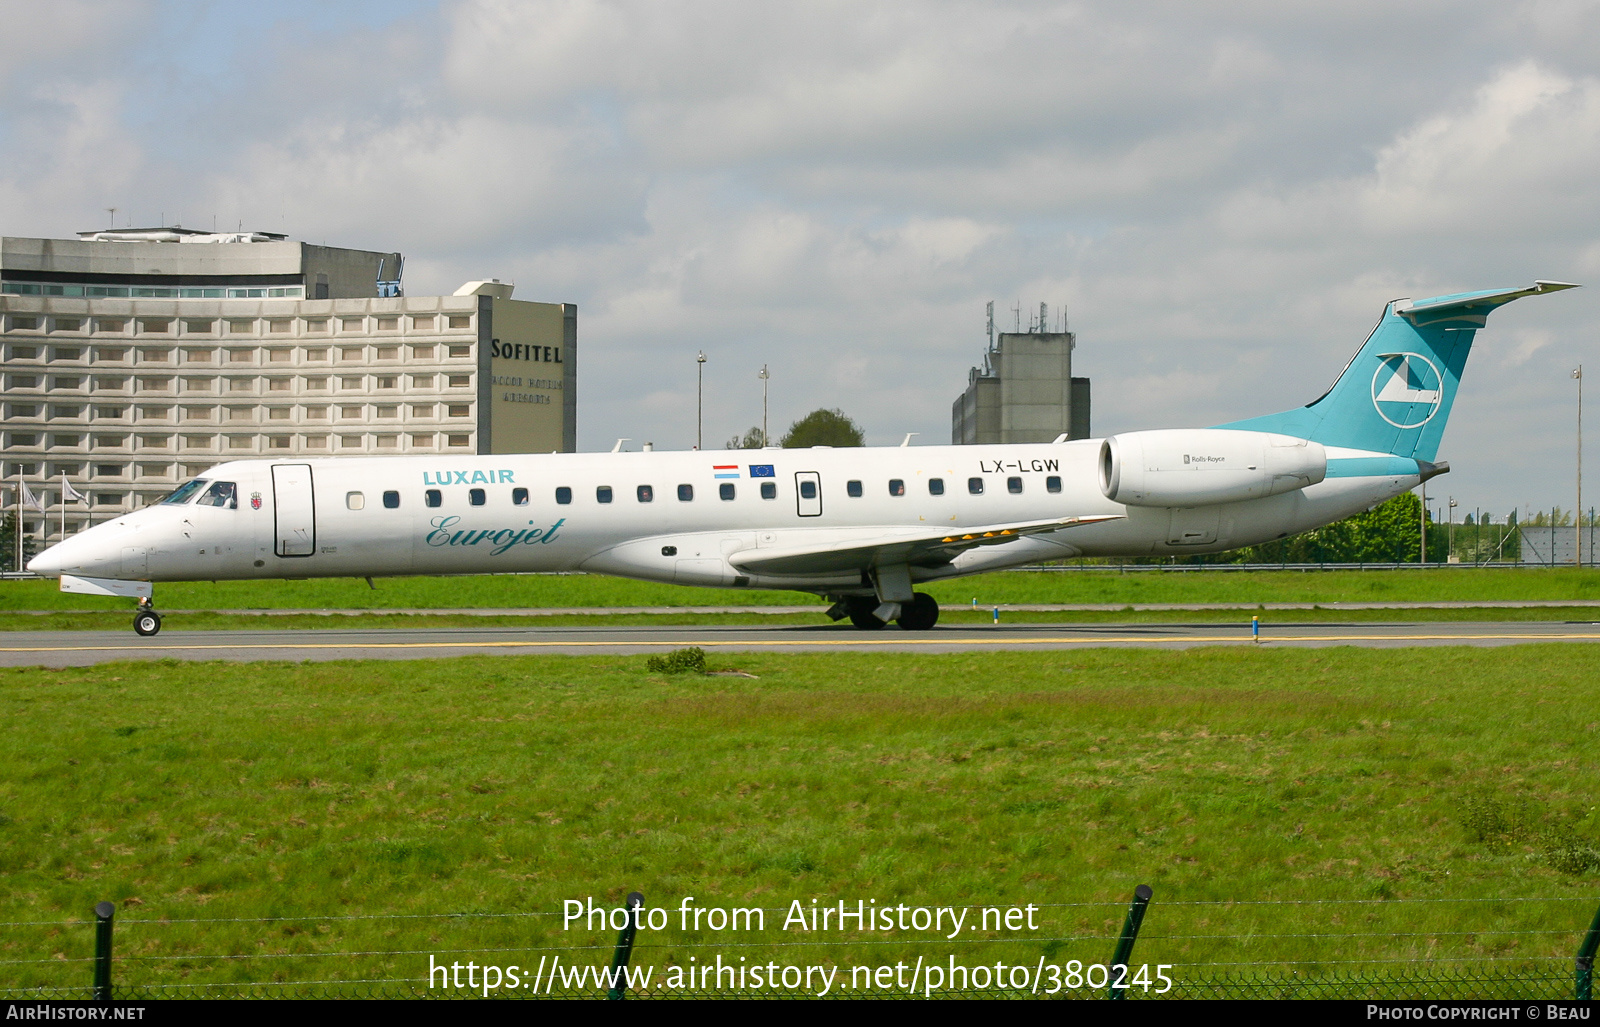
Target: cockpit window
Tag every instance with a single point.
(185, 492)
(223, 493)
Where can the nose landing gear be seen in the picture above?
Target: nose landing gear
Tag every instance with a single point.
(146, 621)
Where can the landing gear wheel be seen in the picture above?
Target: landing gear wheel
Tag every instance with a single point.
(861, 615)
(146, 623)
(920, 614)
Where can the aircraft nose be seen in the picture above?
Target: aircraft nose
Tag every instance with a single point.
(94, 553)
(47, 564)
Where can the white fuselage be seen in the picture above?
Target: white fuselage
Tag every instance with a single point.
(368, 516)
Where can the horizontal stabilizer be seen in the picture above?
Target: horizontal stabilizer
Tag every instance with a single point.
(874, 547)
(1472, 304)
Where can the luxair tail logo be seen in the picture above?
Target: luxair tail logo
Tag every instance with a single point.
(1406, 389)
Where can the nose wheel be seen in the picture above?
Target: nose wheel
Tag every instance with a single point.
(146, 622)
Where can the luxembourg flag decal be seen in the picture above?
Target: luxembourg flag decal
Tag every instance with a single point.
(725, 470)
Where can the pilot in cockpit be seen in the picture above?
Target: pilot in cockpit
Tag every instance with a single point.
(222, 493)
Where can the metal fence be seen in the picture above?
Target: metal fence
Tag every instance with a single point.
(1544, 546)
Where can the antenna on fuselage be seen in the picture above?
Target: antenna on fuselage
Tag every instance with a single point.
(909, 436)
(618, 447)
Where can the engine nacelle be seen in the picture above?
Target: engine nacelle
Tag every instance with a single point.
(1202, 466)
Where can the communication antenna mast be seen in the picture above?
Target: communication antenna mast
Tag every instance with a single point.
(391, 286)
(990, 312)
(113, 219)
(1044, 318)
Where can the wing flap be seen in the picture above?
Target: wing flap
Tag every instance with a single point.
(875, 548)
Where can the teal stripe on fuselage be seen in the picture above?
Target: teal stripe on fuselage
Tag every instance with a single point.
(1371, 467)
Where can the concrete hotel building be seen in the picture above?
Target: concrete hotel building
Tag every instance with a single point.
(135, 359)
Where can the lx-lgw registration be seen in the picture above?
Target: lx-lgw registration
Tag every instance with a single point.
(859, 527)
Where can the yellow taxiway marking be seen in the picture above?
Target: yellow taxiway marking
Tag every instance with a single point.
(525, 644)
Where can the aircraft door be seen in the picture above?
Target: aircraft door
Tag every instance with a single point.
(135, 563)
(808, 493)
(1195, 526)
(293, 510)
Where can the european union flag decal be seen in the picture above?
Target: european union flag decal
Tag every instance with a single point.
(762, 471)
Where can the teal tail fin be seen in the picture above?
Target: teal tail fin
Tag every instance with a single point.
(1395, 394)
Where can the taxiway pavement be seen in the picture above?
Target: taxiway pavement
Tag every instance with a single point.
(86, 648)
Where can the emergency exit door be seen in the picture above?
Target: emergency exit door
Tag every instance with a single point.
(808, 493)
(294, 510)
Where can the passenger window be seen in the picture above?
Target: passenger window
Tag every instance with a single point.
(391, 500)
(602, 494)
(853, 489)
(685, 493)
(355, 500)
(725, 490)
(897, 487)
(431, 498)
(646, 493)
(1052, 484)
(769, 490)
(935, 486)
(477, 497)
(519, 497)
(1014, 486)
(563, 495)
(975, 486)
(223, 493)
(808, 490)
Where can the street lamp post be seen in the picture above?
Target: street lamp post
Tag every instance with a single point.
(1450, 544)
(1422, 527)
(765, 441)
(1577, 373)
(700, 400)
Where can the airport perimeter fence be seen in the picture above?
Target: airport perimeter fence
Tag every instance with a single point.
(1543, 952)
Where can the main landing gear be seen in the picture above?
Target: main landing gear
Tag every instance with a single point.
(146, 621)
(920, 614)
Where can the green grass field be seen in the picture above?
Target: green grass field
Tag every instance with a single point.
(1398, 802)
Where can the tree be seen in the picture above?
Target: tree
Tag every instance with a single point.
(823, 428)
(8, 544)
(753, 439)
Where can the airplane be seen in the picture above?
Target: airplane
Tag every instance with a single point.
(861, 527)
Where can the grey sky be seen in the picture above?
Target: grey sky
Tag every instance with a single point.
(1222, 195)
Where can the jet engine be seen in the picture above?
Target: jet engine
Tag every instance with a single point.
(1203, 466)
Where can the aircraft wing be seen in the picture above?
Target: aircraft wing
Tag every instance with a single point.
(874, 547)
